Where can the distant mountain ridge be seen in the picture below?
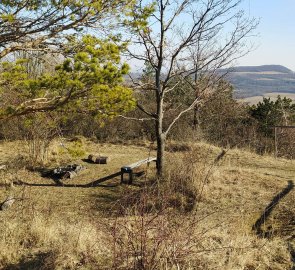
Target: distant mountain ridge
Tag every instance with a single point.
(257, 80)
(250, 81)
(263, 68)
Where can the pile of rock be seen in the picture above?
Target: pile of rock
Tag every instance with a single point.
(67, 172)
(7, 203)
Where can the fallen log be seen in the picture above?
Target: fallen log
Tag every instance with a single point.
(97, 159)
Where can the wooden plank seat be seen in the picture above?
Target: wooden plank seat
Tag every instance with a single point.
(129, 168)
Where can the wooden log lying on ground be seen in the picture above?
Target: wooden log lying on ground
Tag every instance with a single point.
(98, 159)
(67, 172)
(72, 171)
(7, 203)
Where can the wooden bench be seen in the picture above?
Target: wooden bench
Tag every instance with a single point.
(129, 168)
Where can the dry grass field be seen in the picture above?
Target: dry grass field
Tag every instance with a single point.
(205, 215)
(273, 96)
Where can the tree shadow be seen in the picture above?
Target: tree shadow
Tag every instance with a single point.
(46, 173)
(292, 254)
(96, 183)
(86, 160)
(42, 260)
(103, 179)
(257, 227)
(23, 183)
(122, 202)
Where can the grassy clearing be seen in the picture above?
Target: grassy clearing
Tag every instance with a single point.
(273, 96)
(201, 217)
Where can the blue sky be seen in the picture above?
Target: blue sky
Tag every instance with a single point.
(274, 41)
(276, 33)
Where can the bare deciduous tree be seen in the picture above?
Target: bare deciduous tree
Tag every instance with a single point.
(187, 40)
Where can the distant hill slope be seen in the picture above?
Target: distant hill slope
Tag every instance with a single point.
(257, 80)
(264, 68)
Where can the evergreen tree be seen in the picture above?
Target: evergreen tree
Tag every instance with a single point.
(270, 113)
(89, 81)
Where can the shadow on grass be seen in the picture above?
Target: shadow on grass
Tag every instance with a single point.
(96, 183)
(59, 183)
(291, 249)
(103, 179)
(86, 160)
(257, 227)
(108, 204)
(42, 260)
(259, 166)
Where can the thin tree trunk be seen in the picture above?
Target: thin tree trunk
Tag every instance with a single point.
(196, 119)
(161, 140)
(161, 136)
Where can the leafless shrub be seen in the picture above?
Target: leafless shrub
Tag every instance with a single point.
(285, 142)
(152, 236)
(39, 131)
(178, 147)
(158, 227)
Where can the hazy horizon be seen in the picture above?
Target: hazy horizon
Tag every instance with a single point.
(275, 35)
(275, 41)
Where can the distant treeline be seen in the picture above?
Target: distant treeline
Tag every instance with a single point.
(220, 120)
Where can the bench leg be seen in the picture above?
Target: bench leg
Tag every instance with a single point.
(122, 177)
(130, 178)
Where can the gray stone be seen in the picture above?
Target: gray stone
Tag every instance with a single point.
(7, 203)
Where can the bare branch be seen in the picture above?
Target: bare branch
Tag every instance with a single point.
(136, 119)
(139, 106)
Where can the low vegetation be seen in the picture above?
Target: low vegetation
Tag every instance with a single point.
(200, 217)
